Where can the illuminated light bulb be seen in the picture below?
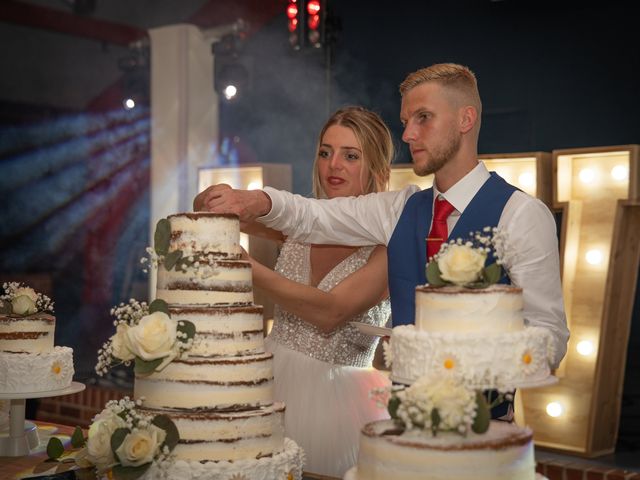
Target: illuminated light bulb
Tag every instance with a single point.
(587, 175)
(620, 172)
(230, 91)
(526, 179)
(255, 185)
(594, 257)
(554, 409)
(585, 347)
(129, 103)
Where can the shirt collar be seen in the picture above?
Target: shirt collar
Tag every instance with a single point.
(461, 194)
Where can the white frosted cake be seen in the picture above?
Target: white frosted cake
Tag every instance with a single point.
(469, 336)
(220, 277)
(220, 395)
(504, 452)
(479, 333)
(29, 361)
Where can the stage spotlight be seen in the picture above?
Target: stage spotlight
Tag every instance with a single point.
(136, 77)
(230, 71)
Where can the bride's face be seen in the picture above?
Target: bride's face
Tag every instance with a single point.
(341, 164)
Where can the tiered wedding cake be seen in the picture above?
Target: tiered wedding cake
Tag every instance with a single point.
(29, 361)
(221, 395)
(468, 336)
(203, 390)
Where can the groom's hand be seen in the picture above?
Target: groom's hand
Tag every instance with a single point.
(221, 198)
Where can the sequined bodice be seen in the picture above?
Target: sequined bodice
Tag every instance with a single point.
(343, 346)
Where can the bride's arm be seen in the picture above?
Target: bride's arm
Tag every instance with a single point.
(262, 231)
(360, 291)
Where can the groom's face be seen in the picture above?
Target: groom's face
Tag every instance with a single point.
(430, 127)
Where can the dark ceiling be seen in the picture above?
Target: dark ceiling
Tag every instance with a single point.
(57, 57)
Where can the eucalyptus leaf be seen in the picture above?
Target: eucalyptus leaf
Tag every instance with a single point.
(5, 308)
(162, 236)
(433, 275)
(159, 305)
(129, 473)
(483, 414)
(166, 424)
(477, 285)
(171, 259)
(187, 327)
(146, 367)
(392, 407)
(77, 439)
(492, 273)
(55, 449)
(117, 437)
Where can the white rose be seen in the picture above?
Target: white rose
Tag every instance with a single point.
(153, 337)
(23, 305)
(140, 446)
(461, 264)
(27, 291)
(120, 344)
(453, 401)
(99, 450)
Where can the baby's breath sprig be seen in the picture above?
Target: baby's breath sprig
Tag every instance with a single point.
(152, 260)
(129, 313)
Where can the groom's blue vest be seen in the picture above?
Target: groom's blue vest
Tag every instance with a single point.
(407, 249)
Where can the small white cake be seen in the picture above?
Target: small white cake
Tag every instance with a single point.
(504, 452)
(29, 361)
(477, 333)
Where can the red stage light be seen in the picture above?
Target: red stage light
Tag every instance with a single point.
(314, 22)
(292, 10)
(313, 7)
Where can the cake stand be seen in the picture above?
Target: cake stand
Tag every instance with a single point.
(23, 435)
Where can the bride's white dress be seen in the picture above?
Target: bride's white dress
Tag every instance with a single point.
(325, 378)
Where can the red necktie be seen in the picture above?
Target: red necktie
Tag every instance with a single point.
(439, 233)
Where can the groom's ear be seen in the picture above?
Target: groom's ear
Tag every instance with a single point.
(467, 117)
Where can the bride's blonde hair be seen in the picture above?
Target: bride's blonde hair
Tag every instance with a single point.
(376, 141)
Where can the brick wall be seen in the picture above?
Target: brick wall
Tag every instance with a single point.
(570, 470)
(78, 408)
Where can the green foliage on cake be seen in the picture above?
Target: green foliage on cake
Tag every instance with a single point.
(176, 259)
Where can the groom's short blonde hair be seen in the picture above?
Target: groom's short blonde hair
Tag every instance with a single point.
(457, 79)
